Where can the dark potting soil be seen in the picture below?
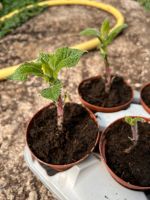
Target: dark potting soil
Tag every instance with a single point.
(146, 95)
(93, 91)
(75, 141)
(133, 167)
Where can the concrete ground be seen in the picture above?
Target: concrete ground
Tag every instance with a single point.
(55, 27)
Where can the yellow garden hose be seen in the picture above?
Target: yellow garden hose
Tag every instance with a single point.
(91, 44)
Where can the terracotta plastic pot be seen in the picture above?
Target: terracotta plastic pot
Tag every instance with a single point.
(53, 166)
(102, 149)
(104, 109)
(142, 101)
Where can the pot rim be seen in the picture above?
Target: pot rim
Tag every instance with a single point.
(100, 107)
(102, 144)
(145, 106)
(60, 167)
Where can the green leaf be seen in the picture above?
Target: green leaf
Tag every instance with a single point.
(26, 69)
(132, 121)
(105, 28)
(114, 34)
(66, 57)
(48, 66)
(63, 57)
(90, 32)
(46, 63)
(48, 60)
(53, 92)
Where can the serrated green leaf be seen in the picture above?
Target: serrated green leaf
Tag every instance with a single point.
(26, 69)
(90, 32)
(105, 28)
(48, 66)
(113, 34)
(66, 57)
(48, 60)
(63, 57)
(53, 92)
(18, 77)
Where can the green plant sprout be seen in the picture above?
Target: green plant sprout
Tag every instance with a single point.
(48, 66)
(133, 122)
(105, 36)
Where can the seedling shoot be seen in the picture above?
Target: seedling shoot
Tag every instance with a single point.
(133, 122)
(105, 36)
(47, 66)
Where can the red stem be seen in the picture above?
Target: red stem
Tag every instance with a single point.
(108, 75)
(134, 138)
(60, 113)
(135, 135)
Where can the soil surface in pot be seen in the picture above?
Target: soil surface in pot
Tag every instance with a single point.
(93, 91)
(132, 167)
(75, 141)
(146, 95)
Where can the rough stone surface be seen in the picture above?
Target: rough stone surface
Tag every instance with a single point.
(58, 26)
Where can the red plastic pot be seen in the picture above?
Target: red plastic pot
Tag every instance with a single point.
(53, 166)
(142, 101)
(102, 149)
(104, 109)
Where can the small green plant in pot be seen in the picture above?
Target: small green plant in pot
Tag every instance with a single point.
(133, 122)
(124, 148)
(61, 134)
(107, 93)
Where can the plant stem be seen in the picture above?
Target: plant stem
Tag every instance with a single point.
(135, 135)
(60, 113)
(108, 75)
(134, 138)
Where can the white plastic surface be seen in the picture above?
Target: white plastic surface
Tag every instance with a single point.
(105, 119)
(88, 180)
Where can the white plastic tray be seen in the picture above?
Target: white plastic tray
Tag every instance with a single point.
(88, 180)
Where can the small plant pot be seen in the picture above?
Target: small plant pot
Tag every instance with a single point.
(145, 97)
(58, 167)
(102, 148)
(100, 108)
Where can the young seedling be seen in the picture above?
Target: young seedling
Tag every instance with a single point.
(48, 66)
(133, 122)
(105, 36)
